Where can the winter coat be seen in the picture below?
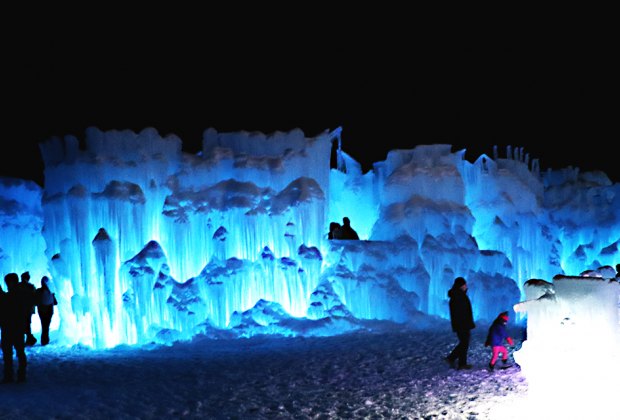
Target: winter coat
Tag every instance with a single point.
(14, 309)
(497, 333)
(44, 297)
(347, 232)
(28, 293)
(461, 315)
(3, 307)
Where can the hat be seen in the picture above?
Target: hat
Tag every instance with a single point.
(459, 281)
(504, 315)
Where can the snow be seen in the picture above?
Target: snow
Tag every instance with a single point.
(390, 373)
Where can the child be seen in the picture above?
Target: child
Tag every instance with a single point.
(495, 339)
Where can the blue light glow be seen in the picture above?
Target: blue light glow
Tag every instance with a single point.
(146, 243)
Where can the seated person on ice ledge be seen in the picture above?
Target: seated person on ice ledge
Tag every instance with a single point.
(335, 231)
(347, 232)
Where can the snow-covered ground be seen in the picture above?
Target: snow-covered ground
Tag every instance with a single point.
(397, 373)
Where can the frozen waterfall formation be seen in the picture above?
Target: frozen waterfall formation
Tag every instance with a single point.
(145, 242)
(575, 319)
(573, 337)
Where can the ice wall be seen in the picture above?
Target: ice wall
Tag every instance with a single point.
(572, 351)
(583, 215)
(483, 220)
(145, 242)
(133, 221)
(22, 247)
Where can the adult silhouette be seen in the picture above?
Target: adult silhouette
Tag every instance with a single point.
(462, 320)
(335, 231)
(45, 307)
(347, 231)
(28, 290)
(13, 309)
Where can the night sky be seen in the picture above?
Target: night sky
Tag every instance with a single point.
(389, 89)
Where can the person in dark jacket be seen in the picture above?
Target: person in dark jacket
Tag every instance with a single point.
(334, 231)
(28, 291)
(13, 309)
(462, 320)
(2, 293)
(496, 337)
(45, 307)
(347, 231)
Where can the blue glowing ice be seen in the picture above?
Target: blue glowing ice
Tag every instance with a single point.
(146, 243)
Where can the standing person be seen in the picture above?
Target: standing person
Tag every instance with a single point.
(495, 338)
(347, 231)
(28, 290)
(13, 309)
(2, 293)
(45, 307)
(462, 320)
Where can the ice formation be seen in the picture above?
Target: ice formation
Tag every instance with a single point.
(571, 355)
(145, 242)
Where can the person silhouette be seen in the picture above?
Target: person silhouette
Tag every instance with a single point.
(45, 307)
(347, 231)
(335, 231)
(462, 321)
(28, 291)
(13, 309)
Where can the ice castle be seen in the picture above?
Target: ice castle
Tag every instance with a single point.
(144, 242)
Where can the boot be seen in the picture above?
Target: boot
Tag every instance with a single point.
(450, 362)
(31, 340)
(491, 366)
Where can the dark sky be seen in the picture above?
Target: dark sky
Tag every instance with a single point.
(389, 89)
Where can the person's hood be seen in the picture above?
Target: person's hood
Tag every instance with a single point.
(455, 291)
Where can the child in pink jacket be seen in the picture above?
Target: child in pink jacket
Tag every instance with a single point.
(496, 337)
